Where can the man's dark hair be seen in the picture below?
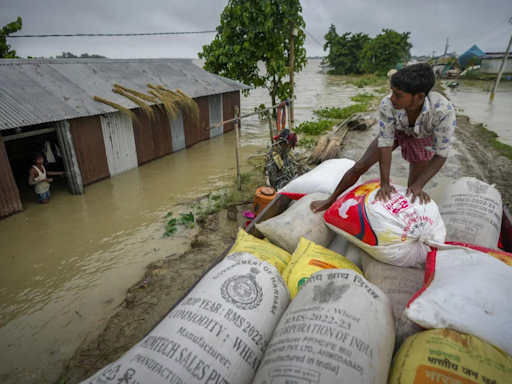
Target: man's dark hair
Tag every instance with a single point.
(37, 155)
(414, 79)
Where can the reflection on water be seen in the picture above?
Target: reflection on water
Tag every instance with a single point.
(473, 100)
(66, 265)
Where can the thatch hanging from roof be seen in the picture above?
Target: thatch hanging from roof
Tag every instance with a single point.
(120, 108)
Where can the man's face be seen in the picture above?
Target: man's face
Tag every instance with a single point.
(39, 161)
(401, 99)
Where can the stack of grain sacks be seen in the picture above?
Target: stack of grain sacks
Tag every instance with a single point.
(288, 307)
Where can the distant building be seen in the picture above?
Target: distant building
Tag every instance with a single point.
(51, 100)
(472, 56)
(491, 63)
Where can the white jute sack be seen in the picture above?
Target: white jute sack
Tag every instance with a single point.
(472, 212)
(338, 329)
(467, 291)
(400, 285)
(217, 334)
(286, 229)
(396, 232)
(353, 253)
(324, 178)
(338, 244)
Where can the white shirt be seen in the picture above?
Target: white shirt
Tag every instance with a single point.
(437, 119)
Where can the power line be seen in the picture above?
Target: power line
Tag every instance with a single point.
(314, 39)
(492, 29)
(117, 34)
(493, 38)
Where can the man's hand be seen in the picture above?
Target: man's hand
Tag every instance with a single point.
(416, 191)
(49, 179)
(385, 192)
(320, 205)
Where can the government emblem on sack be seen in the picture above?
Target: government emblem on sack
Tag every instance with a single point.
(243, 291)
(476, 187)
(330, 292)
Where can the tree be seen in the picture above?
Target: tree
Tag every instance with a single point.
(5, 49)
(386, 50)
(344, 51)
(257, 31)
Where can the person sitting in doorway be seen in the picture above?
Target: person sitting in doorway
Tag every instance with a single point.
(414, 118)
(38, 177)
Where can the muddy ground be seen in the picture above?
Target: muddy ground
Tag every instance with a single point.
(165, 281)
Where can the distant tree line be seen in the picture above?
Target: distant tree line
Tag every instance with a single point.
(69, 55)
(358, 53)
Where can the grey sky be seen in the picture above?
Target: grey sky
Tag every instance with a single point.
(465, 22)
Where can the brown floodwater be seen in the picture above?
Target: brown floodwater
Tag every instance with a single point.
(472, 99)
(66, 266)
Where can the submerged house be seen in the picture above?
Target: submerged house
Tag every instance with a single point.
(52, 101)
(491, 63)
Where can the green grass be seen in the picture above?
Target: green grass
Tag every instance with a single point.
(307, 142)
(361, 81)
(363, 97)
(341, 113)
(492, 139)
(381, 90)
(316, 127)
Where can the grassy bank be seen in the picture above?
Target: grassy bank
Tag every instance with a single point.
(492, 139)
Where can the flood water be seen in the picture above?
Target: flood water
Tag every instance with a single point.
(472, 99)
(66, 266)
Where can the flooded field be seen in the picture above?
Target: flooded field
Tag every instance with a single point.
(66, 266)
(472, 99)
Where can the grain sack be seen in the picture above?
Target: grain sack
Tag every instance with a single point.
(400, 285)
(217, 334)
(286, 229)
(324, 178)
(472, 211)
(497, 254)
(309, 258)
(445, 356)
(338, 329)
(467, 291)
(262, 249)
(396, 232)
(353, 253)
(338, 244)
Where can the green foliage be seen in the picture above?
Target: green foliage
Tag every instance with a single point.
(344, 51)
(307, 142)
(383, 52)
(362, 83)
(341, 113)
(316, 127)
(188, 220)
(5, 49)
(169, 214)
(261, 115)
(171, 228)
(492, 139)
(363, 97)
(381, 90)
(69, 55)
(254, 31)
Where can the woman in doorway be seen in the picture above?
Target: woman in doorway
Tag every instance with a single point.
(38, 177)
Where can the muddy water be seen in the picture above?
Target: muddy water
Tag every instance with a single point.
(472, 100)
(66, 266)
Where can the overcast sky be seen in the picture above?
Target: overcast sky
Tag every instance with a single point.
(465, 22)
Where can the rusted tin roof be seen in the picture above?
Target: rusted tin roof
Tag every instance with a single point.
(36, 91)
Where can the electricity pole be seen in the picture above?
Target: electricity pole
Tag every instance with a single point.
(502, 68)
(294, 32)
(444, 55)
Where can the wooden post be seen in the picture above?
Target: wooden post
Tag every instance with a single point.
(269, 117)
(294, 33)
(238, 173)
(502, 68)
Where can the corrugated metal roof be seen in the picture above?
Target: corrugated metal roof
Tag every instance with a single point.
(497, 56)
(46, 90)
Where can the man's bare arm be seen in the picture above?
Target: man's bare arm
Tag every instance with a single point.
(386, 190)
(433, 167)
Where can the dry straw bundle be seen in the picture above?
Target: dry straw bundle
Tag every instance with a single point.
(172, 102)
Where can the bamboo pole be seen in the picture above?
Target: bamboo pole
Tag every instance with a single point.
(244, 116)
(269, 117)
(238, 173)
(294, 33)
